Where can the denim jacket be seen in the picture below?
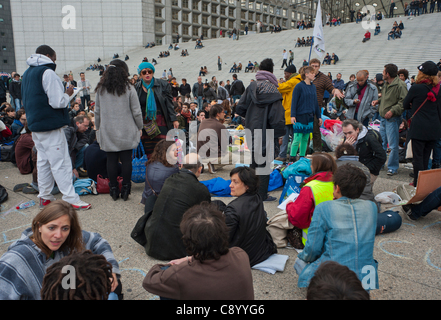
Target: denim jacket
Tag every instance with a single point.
(342, 230)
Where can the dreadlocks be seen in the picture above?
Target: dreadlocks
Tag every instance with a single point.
(93, 275)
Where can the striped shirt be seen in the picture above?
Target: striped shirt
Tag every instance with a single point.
(24, 265)
(322, 82)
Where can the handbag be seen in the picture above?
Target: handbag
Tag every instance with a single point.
(139, 159)
(152, 128)
(102, 184)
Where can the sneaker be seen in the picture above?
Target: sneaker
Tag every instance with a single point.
(391, 172)
(44, 203)
(82, 173)
(81, 205)
(408, 211)
(211, 168)
(280, 159)
(270, 198)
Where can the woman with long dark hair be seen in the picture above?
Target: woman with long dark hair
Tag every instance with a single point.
(156, 102)
(118, 123)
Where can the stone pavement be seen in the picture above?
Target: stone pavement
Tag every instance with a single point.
(409, 258)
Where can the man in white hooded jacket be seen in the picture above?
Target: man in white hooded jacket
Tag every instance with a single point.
(45, 103)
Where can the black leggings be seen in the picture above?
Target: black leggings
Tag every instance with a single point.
(112, 166)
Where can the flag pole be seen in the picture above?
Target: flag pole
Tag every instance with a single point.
(310, 49)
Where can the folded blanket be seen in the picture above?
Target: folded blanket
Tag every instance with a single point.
(275, 262)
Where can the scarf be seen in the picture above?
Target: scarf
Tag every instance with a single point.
(263, 75)
(360, 88)
(431, 96)
(150, 108)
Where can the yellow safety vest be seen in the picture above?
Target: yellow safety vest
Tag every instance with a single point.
(321, 191)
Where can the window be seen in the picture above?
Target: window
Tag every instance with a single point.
(184, 16)
(158, 26)
(184, 3)
(185, 30)
(175, 3)
(158, 12)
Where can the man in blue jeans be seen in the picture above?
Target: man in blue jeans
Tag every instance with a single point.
(390, 110)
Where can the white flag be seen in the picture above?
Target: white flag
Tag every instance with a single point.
(319, 41)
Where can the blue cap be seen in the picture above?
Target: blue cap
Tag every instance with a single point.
(146, 65)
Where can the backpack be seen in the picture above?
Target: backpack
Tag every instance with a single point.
(85, 186)
(376, 134)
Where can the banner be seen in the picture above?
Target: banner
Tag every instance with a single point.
(319, 41)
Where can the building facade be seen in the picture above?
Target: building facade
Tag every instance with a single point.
(85, 30)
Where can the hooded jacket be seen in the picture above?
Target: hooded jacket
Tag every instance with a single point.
(24, 265)
(261, 106)
(301, 210)
(370, 151)
(43, 95)
(286, 88)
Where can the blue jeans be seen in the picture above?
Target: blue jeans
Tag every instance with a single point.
(17, 103)
(389, 131)
(200, 100)
(285, 141)
(391, 36)
(235, 97)
(436, 157)
(79, 159)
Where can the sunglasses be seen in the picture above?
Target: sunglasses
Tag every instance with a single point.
(143, 72)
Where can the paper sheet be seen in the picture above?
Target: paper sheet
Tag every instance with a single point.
(292, 197)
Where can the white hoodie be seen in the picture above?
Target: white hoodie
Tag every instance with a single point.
(52, 85)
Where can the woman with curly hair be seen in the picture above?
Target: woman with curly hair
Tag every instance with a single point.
(118, 124)
(55, 233)
(423, 101)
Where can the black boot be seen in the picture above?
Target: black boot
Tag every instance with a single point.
(125, 191)
(114, 192)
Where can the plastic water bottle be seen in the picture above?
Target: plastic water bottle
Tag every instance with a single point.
(25, 205)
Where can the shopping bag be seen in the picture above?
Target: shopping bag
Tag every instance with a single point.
(139, 159)
(292, 185)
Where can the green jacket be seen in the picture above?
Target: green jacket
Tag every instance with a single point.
(392, 97)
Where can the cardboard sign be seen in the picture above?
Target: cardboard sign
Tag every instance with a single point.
(428, 181)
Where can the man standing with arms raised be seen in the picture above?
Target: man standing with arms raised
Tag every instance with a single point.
(45, 103)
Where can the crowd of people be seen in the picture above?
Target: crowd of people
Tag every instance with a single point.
(60, 138)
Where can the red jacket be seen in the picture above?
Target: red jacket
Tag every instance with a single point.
(300, 211)
(367, 35)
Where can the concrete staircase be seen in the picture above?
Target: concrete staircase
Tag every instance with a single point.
(420, 42)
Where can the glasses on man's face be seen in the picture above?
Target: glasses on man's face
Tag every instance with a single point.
(143, 72)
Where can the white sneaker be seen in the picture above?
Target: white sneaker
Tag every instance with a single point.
(81, 205)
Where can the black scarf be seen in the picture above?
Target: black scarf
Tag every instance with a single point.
(360, 88)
